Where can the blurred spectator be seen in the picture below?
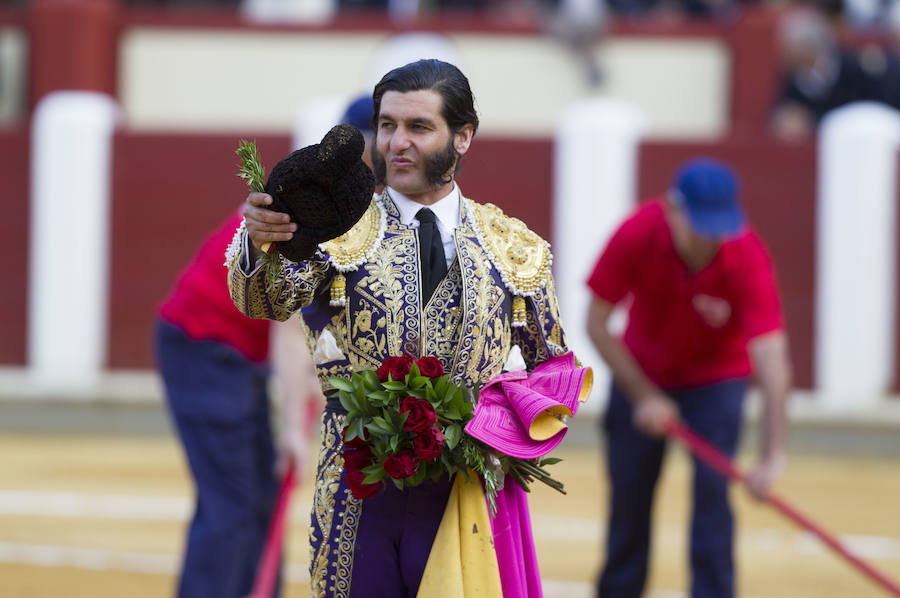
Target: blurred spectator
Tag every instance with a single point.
(818, 74)
(359, 114)
(580, 24)
(704, 312)
(717, 9)
(889, 79)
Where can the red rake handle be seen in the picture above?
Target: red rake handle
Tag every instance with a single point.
(721, 463)
(267, 570)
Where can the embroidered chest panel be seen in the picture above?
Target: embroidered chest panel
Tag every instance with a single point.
(466, 324)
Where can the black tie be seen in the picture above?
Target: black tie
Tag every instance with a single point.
(431, 248)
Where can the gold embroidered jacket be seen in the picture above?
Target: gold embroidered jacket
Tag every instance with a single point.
(467, 323)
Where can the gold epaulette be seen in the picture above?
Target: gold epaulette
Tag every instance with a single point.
(352, 249)
(521, 256)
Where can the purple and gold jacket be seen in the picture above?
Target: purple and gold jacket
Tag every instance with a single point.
(498, 293)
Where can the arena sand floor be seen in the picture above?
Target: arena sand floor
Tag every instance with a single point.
(103, 516)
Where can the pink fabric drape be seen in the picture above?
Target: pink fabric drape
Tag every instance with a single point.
(520, 576)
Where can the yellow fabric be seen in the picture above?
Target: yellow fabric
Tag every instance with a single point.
(547, 424)
(462, 562)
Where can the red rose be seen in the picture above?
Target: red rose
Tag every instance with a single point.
(359, 490)
(431, 367)
(421, 414)
(428, 444)
(356, 459)
(396, 367)
(402, 465)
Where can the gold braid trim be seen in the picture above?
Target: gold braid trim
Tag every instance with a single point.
(521, 256)
(355, 247)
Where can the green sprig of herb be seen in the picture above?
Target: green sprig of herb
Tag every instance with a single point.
(254, 173)
(252, 169)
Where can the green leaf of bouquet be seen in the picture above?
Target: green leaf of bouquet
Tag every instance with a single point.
(359, 391)
(549, 461)
(452, 434)
(375, 477)
(374, 431)
(449, 391)
(431, 396)
(341, 384)
(419, 477)
(348, 402)
(394, 443)
(373, 468)
(394, 386)
(397, 483)
(419, 393)
(414, 371)
(377, 398)
(417, 382)
(371, 380)
(358, 428)
(351, 431)
(383, 424)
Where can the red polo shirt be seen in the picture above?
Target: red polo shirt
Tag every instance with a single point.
(670, 339)
(201, 305)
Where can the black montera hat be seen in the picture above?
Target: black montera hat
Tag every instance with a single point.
(325, 188)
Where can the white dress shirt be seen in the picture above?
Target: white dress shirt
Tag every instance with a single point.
(446, 211)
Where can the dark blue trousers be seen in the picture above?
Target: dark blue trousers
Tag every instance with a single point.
(220, 408)
(634, 461)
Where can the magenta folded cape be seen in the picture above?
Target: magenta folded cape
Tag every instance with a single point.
(517, 561)
(512, 406)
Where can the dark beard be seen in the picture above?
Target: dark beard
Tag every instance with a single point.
(437, 166)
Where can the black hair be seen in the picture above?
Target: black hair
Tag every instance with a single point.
(457, 101)
(458, 107)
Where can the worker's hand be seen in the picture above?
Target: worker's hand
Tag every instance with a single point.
(264, 225)
(294, 452)
(760, 479)
(653, 412)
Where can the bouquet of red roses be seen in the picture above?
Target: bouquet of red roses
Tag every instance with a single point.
(405, 423)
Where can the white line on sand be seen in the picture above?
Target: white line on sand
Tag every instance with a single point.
(43, 555)
(572, 529)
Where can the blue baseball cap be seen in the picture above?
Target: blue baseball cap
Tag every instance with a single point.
(708, 192)
(359, 113)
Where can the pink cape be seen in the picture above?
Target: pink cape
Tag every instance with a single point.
(510, 405)
(520, 576)
(507, 409)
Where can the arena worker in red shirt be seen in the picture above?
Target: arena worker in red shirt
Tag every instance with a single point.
(216, 365)
(703, 315)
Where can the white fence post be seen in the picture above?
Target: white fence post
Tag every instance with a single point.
(594, 188)
(315, 118)
(71, 157)
(856, 254)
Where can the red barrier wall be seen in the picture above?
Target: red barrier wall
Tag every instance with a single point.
(14, 193)
(72, 46)
(169, 191)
